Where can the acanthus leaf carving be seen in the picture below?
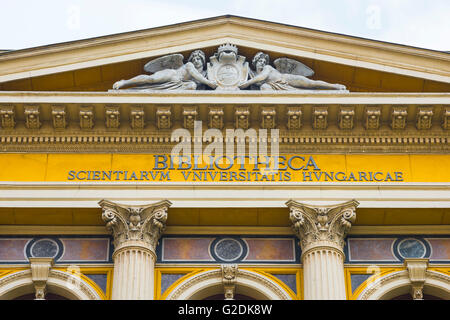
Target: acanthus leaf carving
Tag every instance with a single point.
(317, 226)
(130, 224)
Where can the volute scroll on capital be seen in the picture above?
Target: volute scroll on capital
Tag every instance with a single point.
(322, 226)
(135, 224)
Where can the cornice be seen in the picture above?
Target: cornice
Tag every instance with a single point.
(223, 20)
(297, 41)
(107, 39)
(325, 35)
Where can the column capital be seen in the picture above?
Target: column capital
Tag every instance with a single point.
(135, 225)
(322, 226)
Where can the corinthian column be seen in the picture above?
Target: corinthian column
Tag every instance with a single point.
(136, 231)
(321, 231)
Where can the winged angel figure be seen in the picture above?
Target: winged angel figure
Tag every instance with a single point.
(288, 75)
(169, 73)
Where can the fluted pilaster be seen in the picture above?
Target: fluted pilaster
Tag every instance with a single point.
(322, 231)
(136, 231)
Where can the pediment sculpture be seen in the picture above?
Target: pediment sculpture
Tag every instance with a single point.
(226, 70)
(170, 73)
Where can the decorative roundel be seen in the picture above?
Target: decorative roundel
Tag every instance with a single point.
(228, 249)
(44, 248)
(411, 248)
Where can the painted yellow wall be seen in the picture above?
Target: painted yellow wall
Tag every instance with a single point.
(55, 167)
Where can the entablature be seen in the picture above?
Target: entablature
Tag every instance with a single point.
(137, 122)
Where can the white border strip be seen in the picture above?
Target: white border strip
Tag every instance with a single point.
(161, 97)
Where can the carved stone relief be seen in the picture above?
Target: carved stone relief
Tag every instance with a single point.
(229, 274)
(137, 117)
(7, 114)
(32, 114)
(216, 117)
(59, 116)
(372, 118)
(131, 224)
(346, 116)
(320, 118)
(417, 275)
(398, 117)
(294, 118)
(40, 269)
(424, 117)
(226, 70)
(319, 226)
(112, 117)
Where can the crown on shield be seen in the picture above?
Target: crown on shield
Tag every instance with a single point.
(227, 48)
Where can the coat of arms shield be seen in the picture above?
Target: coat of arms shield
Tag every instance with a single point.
(227, 68)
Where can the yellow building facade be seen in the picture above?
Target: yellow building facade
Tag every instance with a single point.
(339, 194)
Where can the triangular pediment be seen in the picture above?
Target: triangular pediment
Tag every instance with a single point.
(95, 64)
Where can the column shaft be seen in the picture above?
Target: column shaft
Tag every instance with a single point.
(133, 274)
(323, 274)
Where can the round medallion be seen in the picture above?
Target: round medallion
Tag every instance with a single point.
(411, 248)
(44, 248)
(228, 249)
(228, 75)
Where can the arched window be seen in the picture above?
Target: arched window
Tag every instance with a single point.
(19, 285)
(397, 285)
(209, 285)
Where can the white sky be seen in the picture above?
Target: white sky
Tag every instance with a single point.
(30, 23)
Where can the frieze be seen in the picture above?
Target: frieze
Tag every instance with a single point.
(390, 249)
(74, 249)
(226, 249)
(326, 130)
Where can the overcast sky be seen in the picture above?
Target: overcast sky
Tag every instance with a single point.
(30, 23)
